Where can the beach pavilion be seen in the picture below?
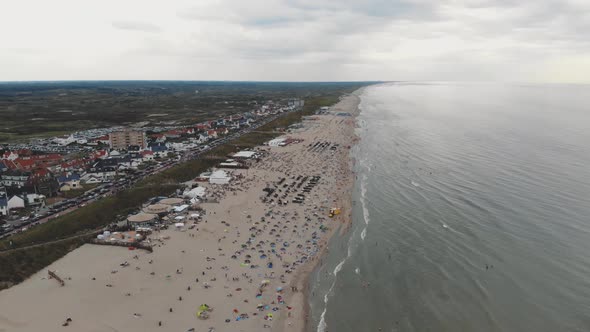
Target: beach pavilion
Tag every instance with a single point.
(159, 209)
(142, 219)
(171, 201)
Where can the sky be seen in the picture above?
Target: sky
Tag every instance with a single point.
(296, 40)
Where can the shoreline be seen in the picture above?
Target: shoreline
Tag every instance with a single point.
(343, 229)
(139, 293)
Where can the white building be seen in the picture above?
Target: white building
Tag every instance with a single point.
(195, 192)
(16, 202)
(64, 141)
(276, 142)
(36, 199)
(3, 203)
(245, 154)
(219, 177)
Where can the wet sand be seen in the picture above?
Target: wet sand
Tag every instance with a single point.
(222, 262)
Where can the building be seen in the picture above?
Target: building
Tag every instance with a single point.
(35, 200)
(276, 142)
(16, 202)
(245, 155)
(296, 103)
(70, 185)
(121, 140)
(3, 202)
(4, 206)
(197, 192)
(15, 178)
(142, 220)
(219, 177)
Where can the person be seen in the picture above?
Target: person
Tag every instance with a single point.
(160, 323)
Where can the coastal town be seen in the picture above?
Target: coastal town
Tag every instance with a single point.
(45, 178)
(230, 251)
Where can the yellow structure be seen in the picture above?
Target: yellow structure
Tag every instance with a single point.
(334, 212)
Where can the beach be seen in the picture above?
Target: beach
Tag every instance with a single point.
(244, 263)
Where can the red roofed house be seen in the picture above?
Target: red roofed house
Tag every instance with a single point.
(203, 126)
(147, 155)
(160, 138)
(212, 133)
(9, 155)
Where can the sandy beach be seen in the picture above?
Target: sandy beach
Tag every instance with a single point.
(247, 259)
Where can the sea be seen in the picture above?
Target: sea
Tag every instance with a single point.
(471, 212)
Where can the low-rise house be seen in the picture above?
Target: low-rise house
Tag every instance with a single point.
(4, 206)
(173, 133)
(202, 139)
(9, 155)
(16, 202)
(65, 179)
(203, 126)
(102, 170)
(63, 141)
(212, 133)
(127, 162)
(92, 179)
(3, 202)
(222, 131)
(35, 200)
(159, 138)
(159, 149)
(147, 155)
(15, 178)
(71, 185)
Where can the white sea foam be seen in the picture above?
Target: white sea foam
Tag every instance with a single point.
(363, 200)
(322, 324)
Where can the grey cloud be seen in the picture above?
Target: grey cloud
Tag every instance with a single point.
(136, 26)
(352, 39)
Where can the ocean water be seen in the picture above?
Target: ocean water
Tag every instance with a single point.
(471, 213)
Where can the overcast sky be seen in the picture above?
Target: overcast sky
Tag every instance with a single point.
(296, 40)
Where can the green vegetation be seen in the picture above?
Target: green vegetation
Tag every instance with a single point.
(18, 265)
(44, 109)
(21, 263)
(77, 192)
